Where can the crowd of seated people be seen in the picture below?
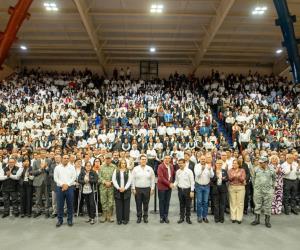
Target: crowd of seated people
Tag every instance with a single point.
(48, 116)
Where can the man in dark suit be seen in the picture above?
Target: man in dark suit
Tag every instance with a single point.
(40, 171)
(166, 175)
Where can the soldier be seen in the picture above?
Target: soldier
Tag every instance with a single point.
(263, 185)
(107, 189)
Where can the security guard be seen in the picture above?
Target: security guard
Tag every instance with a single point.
(107, 189)
(263, 185)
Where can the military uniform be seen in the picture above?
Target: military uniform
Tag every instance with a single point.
(263, 185)
(106, 194)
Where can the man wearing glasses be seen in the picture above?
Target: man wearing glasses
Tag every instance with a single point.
(65, 176)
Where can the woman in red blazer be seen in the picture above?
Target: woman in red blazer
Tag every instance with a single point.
(166, 176)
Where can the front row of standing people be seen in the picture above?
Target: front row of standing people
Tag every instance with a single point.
(117, 185)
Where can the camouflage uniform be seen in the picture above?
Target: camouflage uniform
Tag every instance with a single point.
(263, 185)
(106, 194)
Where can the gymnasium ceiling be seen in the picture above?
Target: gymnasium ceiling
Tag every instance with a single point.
(122, 31)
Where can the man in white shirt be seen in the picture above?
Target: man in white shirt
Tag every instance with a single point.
(203, 173)
(143, 184)
(65, 176)
(185, 182)
(290, 170)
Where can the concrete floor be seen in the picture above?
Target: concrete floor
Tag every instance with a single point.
(32, 234)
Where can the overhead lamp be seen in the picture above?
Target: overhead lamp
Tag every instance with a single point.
(50, 6)
(259, 10)
(156, 8)
(279, 51)
(23, 47)
(152, 49)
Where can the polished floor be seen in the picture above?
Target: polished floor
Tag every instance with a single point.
(41, 234)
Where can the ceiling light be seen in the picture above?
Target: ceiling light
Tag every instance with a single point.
(152, 49)
(259, 10)
(279, 51)
(23, 47)
(50, 6)
(156, 8)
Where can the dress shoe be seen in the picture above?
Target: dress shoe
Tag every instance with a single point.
(36, 215)
(294, 211)
(29, 215)
(180, 221)
(162, 220)
(222, 221)
(233, 221)
(217, 221)
(22, 215)
(239, 222)
(167, 220)
(5, 215)
(47, 215)
(125, 222)
(145, 220)
(199, 220)
(58, 224)
(188, 221)
(119, 222)
(70, 224)
(16, 215)
(205, 220)
(139, 220)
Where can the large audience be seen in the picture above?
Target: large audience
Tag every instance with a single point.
(227, 122)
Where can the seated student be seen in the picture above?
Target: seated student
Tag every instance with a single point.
(88, 179)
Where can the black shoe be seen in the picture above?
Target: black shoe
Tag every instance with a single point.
(199, 220)
(267, 221)
(139, 220)
(245, 212)
(162, 220)
(36, 215)
(29, 215)
(119, 222)
(58, 224)
(217, 221)
(222, 221)
(80, 214)
(287, 210)
(70, 224)
(239, 222)
(257, 220)
(180, 220)
(233, 221)
(53, 216)
(22, 215)
(145, 220)
(167, 220)
(205, 220)
(5, 215)
(16, 215)
(294, 211)
(188, 220)
(125, 222)
(47, 215)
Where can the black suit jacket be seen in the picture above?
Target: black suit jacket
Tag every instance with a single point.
(223, 187)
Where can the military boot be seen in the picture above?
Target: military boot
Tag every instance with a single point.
(109, 217)
(103, 217)
(257, 220)
(267, 221)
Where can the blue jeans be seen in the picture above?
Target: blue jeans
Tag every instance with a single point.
(61, 196)
(202, 192)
